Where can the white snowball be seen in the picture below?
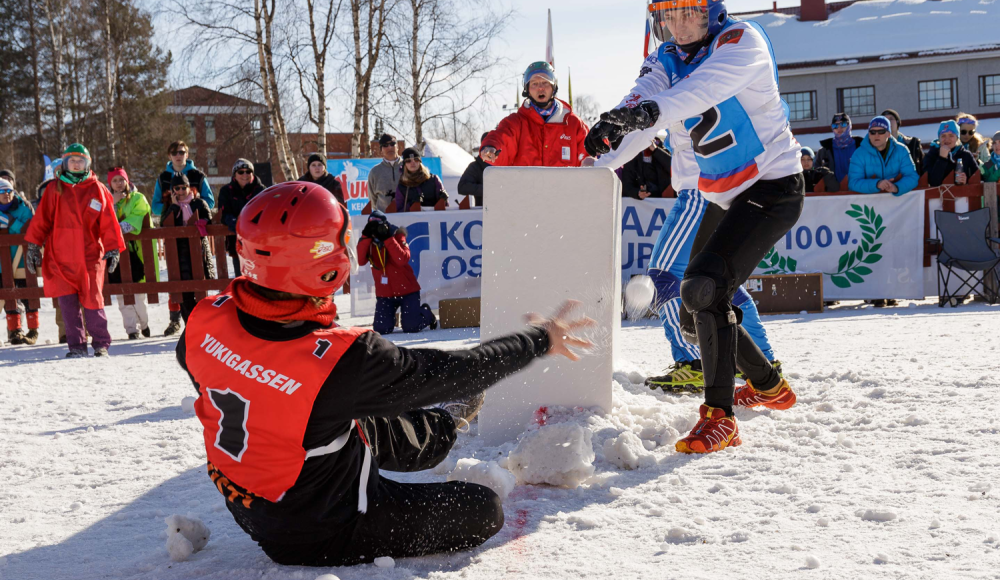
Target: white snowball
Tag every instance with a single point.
(639, 293)
(881, 558)
(560, 454)
(327, 577)
(185, 536)
(486, 473)
(385, 562)
(187, 404)
(627, 452)
(812, 562)
(877, 515)
(179, 547)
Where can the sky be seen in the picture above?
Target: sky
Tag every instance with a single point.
(600, 42)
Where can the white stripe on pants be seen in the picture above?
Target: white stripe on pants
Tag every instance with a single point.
(135, 317)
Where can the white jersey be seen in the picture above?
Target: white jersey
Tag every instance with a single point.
(728, 125)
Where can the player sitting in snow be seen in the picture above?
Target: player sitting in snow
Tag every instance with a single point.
(715, 77)
(299, 414)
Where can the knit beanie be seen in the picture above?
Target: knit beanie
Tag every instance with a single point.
(117, 172)
(4, 185)
(315, 157)
(242, 164)
(948, 126)
(879, 123)
(808, 152)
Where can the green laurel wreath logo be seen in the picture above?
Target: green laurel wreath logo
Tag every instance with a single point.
(851, 268)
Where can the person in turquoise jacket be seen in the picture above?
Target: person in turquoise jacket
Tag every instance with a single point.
(881, 164)
(15, 214)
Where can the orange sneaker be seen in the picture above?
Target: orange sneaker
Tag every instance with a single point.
(747, 396)
(713, 432)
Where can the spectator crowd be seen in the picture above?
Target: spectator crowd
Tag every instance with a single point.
(71, 240)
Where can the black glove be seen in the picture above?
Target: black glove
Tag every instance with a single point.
(112, 260)
(369, 231)
(602, 138)
(33, 258)
(382, 232)
(642, 116)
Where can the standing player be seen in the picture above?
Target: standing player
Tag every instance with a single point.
(669, 260)
(716, 79)
(299, 414)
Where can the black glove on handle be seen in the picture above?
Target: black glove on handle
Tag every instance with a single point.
(33, 258)
(602, 138)
(642, 116)
(112, 260)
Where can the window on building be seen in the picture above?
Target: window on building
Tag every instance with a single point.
(190, 124)
(256, 124)
(211, 162)
(989, 90)
(209, 129)
(938, 95)
(801, 106)
(858, 101)
(192, 152)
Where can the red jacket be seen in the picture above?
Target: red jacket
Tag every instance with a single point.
(524, 139)
(390, 265)
(76, 225)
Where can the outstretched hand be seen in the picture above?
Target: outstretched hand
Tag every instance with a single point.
(560, 330)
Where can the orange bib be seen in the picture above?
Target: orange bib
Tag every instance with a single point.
(257, 395)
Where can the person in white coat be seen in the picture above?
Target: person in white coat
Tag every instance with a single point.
(714, 80)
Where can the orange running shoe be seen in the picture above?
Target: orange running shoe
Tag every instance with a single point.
(713, 432)
(747, 396)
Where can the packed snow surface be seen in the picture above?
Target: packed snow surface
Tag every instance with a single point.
(886, 468)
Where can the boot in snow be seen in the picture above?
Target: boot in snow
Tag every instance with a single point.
(781, 397)
(146, 332)
(713, 432)
(684, 377)
(775, 363)
(15, 337)
(175, 324)
(31, 337)
(77, 353)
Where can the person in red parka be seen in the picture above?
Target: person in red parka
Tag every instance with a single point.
(544, 132)
(76, 224)
(384, 246)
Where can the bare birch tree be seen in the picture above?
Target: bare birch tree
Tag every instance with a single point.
(371, 16)
(449, 57)
(55, 18)
(320, 49)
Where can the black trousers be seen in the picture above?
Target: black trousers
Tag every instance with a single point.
(728, 246)
(407, 519)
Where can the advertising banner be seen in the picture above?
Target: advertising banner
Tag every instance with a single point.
(353, 177)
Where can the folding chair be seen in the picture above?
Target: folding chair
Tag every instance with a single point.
(965, 247)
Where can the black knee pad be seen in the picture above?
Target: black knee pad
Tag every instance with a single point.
(704, 281)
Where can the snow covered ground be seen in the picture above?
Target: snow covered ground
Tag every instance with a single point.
(886, 468)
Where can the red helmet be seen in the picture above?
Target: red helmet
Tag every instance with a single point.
(295, 237)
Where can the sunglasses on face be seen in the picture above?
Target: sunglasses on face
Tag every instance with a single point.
(181, 188)
(876, 132)
(417, 159)
(6, 192)
(964, 132)
(244, 172)
(838, 125)
(179, 152)
(388, 145)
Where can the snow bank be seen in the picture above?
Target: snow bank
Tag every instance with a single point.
(185, 536)
(561, 454)
(486, 473)
(454, 160)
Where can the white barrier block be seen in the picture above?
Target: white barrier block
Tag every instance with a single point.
(550, 234)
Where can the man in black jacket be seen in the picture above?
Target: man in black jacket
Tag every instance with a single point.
(471, 182)
(299, 414)
(912, 144)
(232, 198)
(316, 173)
(648, 173)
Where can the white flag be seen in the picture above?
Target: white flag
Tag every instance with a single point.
(550, 56)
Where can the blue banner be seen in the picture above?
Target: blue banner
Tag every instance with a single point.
(353, 177)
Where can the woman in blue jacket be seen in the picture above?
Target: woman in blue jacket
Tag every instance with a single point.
(881, 164)
(15, 214)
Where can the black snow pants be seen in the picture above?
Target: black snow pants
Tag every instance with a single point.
(407, 519)
(728, 246)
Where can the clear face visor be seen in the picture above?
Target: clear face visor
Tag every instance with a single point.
(684, 21)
